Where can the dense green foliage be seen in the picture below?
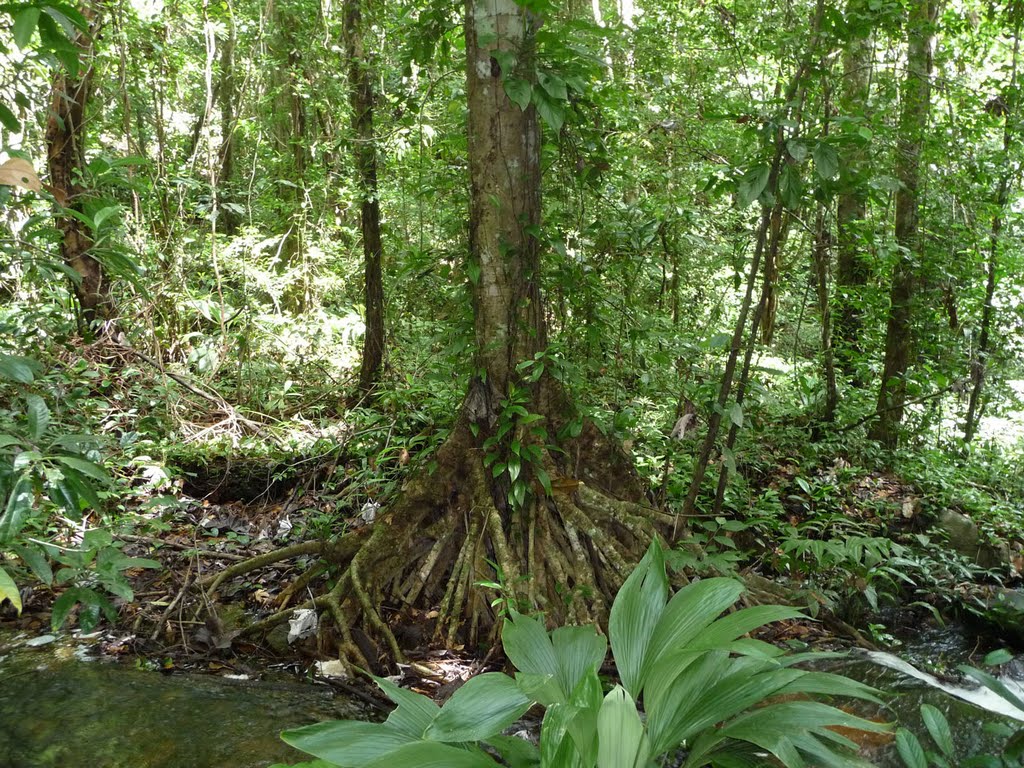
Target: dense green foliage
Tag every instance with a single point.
(728, 263)
(726, 699)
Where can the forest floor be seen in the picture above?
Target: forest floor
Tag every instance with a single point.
(175, 622)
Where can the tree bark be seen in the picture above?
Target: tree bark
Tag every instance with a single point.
(361, 100)
(913, 124)
(65, 142)
(504, 169)
(852, 269)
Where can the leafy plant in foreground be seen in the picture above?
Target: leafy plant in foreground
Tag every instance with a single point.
(724, 700)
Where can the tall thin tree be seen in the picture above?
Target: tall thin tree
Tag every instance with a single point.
(913, 126)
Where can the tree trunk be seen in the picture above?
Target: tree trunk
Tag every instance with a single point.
(65, 142)
(851, 266)
(227, 96)
(821, 246)
(913, 124)
(557, 530)
(364, 150)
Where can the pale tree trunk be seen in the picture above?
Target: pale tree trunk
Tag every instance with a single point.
(851, 266)
(361, 100)
(504, 170)
(913, 124)
(65, 142)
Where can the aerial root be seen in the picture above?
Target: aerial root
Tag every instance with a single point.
(213, 581)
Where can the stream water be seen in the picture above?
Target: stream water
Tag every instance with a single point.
(59, 708)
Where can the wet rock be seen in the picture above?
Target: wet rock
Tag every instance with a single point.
(967, 539)
(277, 639)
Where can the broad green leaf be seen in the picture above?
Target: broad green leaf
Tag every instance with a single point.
(9, 121)
(519, 92)
(347, 743)
(515, 752)
(8, 441)
(87, 468)
(578, 651)
(25, 24)
(995, 658)
(62, 605)
(15, 367)
(826, 161)
(736, 414)
(752, 185)
(414, 713)
(634, 614)
(621, 741)
(554, 85)
(38, 416)
(551, 112)
(689, 612)
(910, 749)
(35, 559)
(483, 707)
(557, 747)
(17, 510)
(797, 150)
(791, 187)
(528, 647)
(105, 213)
(9, 591)
(431, 754)
(938, 728)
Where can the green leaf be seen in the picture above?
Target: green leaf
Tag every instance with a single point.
(38, 416)
(995, 658)
(938, 728)
(528, 647)
(9, 591)
(554, 85)
(797, 150)
(753, 184)
(431, 754)
(579, 651)
(348, 743)
(621, 741)
(12, 124)
(736, 414)
(14, 367)
(414, 713)
(634, 615)
(689, 612)
(910, 749)
(62, 606)
(35, 559)
(551, 112)
(25, 24)
(515, 752)
(87, 468)
(544, 479)
(483, 707)
(19, 505)
(826, 161)
(519, 92)
(790, 187)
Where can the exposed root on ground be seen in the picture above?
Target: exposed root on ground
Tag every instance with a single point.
(566, 553)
